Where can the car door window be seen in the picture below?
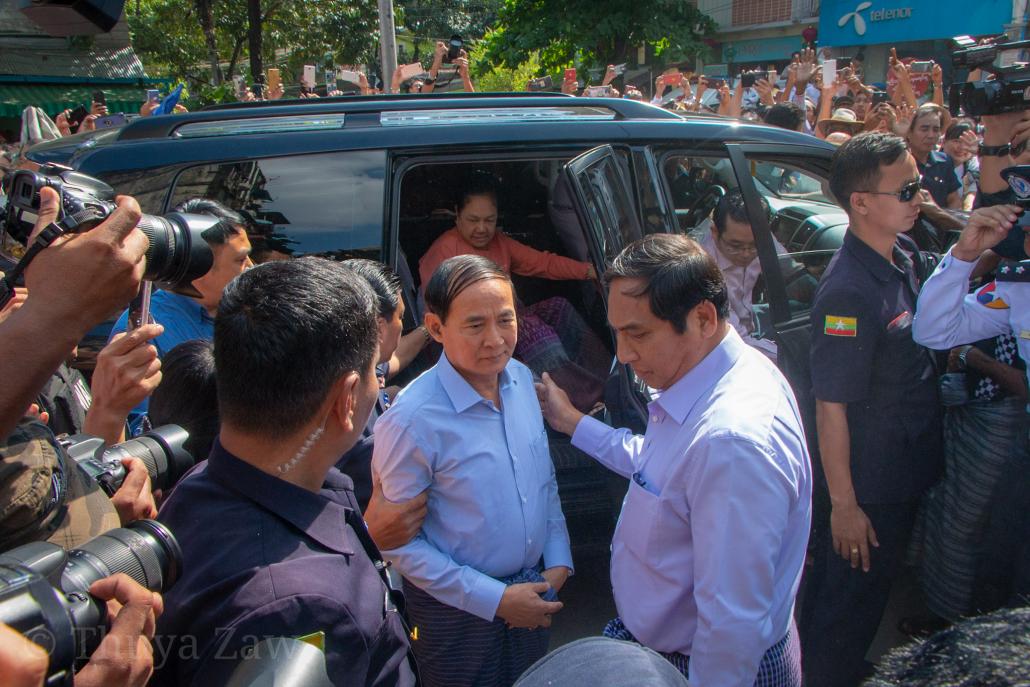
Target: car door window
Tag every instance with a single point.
(600, 183)
(788, 182)
(329, 204)
(695, 184)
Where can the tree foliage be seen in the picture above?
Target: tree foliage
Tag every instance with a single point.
(429, 20)
(595, 32)
(499, 78)
(168, 36)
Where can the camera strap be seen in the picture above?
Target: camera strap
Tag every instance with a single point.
(50, 233)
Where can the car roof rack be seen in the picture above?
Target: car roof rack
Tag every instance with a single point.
(386, 97)
(330, 112)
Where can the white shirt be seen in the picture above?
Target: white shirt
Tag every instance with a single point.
(740, 284)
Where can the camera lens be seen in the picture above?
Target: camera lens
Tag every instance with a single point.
(145, 550)
(161, 450)
(178, 253)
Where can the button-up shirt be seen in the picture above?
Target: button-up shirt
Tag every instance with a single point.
(863, 355)
(740, 286)
(710, 545)
(939, 177)
(493, 507)
(947, 315)
(266, 558)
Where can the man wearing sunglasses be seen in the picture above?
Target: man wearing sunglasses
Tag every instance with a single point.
(877, 408)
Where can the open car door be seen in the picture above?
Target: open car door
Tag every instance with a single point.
(791, 267)
(603, 196)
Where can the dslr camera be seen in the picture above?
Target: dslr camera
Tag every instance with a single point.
(1009, 91)
(161, 450)
(177, 254)
(44, 590)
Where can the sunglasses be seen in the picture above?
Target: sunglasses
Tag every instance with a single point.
(905, 195)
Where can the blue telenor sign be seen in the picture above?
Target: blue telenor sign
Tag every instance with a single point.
(867, 22)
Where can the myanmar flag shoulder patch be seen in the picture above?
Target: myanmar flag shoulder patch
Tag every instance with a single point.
(837, 325)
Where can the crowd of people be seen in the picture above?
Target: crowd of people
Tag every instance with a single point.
(416, 535)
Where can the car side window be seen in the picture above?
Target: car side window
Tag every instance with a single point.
(329, 204)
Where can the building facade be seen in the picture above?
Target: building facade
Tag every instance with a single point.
(757, 34)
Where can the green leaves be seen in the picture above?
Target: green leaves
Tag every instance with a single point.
(168, 37)
(594, 33)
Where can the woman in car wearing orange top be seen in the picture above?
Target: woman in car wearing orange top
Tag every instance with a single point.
(552, 336)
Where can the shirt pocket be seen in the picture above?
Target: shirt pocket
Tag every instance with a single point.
(638, 528)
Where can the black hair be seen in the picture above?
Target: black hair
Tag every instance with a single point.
(992, 649)
(384, 282)
(956, 129)
(732, 205)
(786, 116)
(231, 222)
(286, 331)
(479, 183)
(456, 274)
(857, 164)
(677, 274)
(187, 395)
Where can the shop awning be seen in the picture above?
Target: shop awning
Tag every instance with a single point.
(55, 98)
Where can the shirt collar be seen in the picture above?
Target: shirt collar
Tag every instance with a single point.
(461, 393)
(679, 399)
(316, 515)
(877, 265)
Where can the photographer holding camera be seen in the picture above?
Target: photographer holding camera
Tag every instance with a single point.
(124, 656)
(100, 270)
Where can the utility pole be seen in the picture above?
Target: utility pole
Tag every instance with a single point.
(387, 42)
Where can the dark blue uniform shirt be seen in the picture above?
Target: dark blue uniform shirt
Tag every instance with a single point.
(357, 462)
(939, 177)
(265, 558)
(863, 355)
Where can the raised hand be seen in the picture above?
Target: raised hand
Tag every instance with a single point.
(806, 66)
(985, 229)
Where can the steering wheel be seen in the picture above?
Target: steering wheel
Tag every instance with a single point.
(704, 205)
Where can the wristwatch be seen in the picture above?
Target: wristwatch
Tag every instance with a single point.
(994, 151)
(963, 352)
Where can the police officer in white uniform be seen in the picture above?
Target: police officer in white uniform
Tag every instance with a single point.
(948, 315)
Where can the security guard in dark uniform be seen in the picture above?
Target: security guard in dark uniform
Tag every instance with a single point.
(878, 413)
(272, 538)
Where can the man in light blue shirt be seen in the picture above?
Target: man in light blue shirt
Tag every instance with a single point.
(710, 545)
(185, 318)
(494, 539)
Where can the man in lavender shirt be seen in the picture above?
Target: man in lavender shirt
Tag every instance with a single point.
(732, 243)
(710, 545)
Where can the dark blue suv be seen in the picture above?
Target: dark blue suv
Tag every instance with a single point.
(379, 177)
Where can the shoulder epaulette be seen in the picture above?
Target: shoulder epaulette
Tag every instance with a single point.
(1014, 273)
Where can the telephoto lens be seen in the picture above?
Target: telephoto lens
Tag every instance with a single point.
(162, 451)
(177, 253)
(44, 590)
